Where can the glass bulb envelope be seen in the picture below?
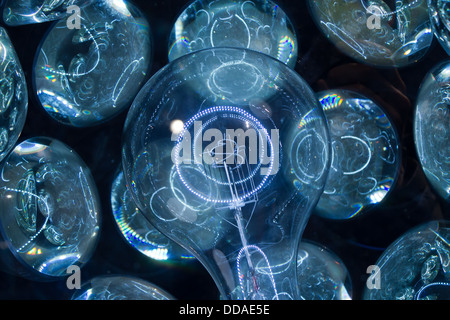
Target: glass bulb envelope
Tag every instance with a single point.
(120, 287)
(321, 273)
(382, 33)
(50, 214)
(138, 231)
(431, 128)
(440, 21)
(226, 151)
(21, 12)
(366, 155)
(84, 77)
(259, 25)
(416, 266)
(13, 96)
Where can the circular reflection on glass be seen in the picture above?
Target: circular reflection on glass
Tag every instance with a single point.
(136, 229)
(87, 76)
(376, 32)
(13, 96)
(440, 21)
(415, 267)
(259, 25)
(365, 155)
(229, 164)
(21, 12)
(118, 287)
(431, 128)
(50, 207)
(321, 274)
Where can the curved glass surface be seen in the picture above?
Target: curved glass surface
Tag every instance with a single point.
(84, 77)
(226, 151)
(50, 213)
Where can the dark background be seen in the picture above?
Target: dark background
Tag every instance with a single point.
(358, 242)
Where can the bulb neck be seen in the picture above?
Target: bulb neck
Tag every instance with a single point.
(256, 273)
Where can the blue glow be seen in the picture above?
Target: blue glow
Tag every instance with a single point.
(24, 12)
(137, 231)
(13, 96)
(365, 157)
(50, 207)
(431, 128)
(379, 33)
(97, 84)
(223, 109)
(412, 267)
(241, 219)
(257, 25)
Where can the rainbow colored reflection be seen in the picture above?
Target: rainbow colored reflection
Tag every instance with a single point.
(138, 232)
(365, 155)
(261, 26)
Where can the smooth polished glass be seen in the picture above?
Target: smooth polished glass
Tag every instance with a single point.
(382, 33)
(50, 214)
(431, 127)
(366, 155)
(22, 12)
(119, 287)
(321, 274)
(415, 267)
(440, 21)
(259, 25)
(138, 231)
(226, 151)
(13, 96)
(86, 76)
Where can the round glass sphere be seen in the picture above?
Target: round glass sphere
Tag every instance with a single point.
(13, 96)
(415, 267)
(138, 231)
(259, 25)
(365, 155)
(50, 213)
(321, 274)
(431, 128)
(21, 12)
(376, 32)
(86, 76)
(440, 21)
(226, 151)
(117, 287)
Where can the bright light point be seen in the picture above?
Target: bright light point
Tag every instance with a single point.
(177, 126)
(120, 6)
(29, 148)
(378, 196)
(160, 254)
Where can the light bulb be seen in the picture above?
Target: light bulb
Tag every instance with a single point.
(22, 12)
(50, 213)
(237, 185)
(365, 155)
(415, 267)
(376, 32)
(120, 287)
(440, 21)
(431, 128)
(137, 231)
(86, 76)
(321, 273)
(13, 96)
(259, 25)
